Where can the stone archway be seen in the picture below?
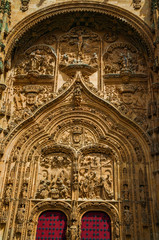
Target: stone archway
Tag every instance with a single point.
(77, 136)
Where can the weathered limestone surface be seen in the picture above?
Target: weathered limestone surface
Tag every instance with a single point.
(79, 115)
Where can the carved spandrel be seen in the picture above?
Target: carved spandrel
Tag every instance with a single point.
(54, 177)
(130, 99)
(96, 177)
(27, 99)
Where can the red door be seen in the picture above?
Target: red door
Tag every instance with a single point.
(51, 226)
(95, 226)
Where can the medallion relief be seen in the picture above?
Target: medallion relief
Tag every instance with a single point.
(76, 136)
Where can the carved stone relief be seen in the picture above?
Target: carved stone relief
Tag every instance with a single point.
(27, 99)
(123, 58)
(96, 177)
(54, 177)
(82, 51)
(130, 99)
(76, 136)
(37, 62)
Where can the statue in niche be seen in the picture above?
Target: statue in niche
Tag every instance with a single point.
(24, 192)
(73, 229)
(125, 192)
(127, 216)
(8, 191)
(21, 214)
(126, 60)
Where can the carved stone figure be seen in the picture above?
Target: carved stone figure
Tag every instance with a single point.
(79, 55)
(8, 191)
(20, 214)
(24, 190)
(122, 57)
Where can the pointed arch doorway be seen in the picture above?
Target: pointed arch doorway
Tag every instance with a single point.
(51, 226)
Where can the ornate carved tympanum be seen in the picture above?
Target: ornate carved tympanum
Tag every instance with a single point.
(74, 119)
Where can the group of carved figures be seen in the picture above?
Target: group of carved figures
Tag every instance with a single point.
(71, 58)
(39, 62)
(54, 189)
(93, 183)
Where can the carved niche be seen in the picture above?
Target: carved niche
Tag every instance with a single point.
(54, 178)
(123, 58)
(96, 177)
(37, 62)
(79, 50)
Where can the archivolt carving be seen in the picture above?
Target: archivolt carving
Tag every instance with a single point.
(108, 9)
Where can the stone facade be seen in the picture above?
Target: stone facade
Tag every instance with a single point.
(79, 115)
